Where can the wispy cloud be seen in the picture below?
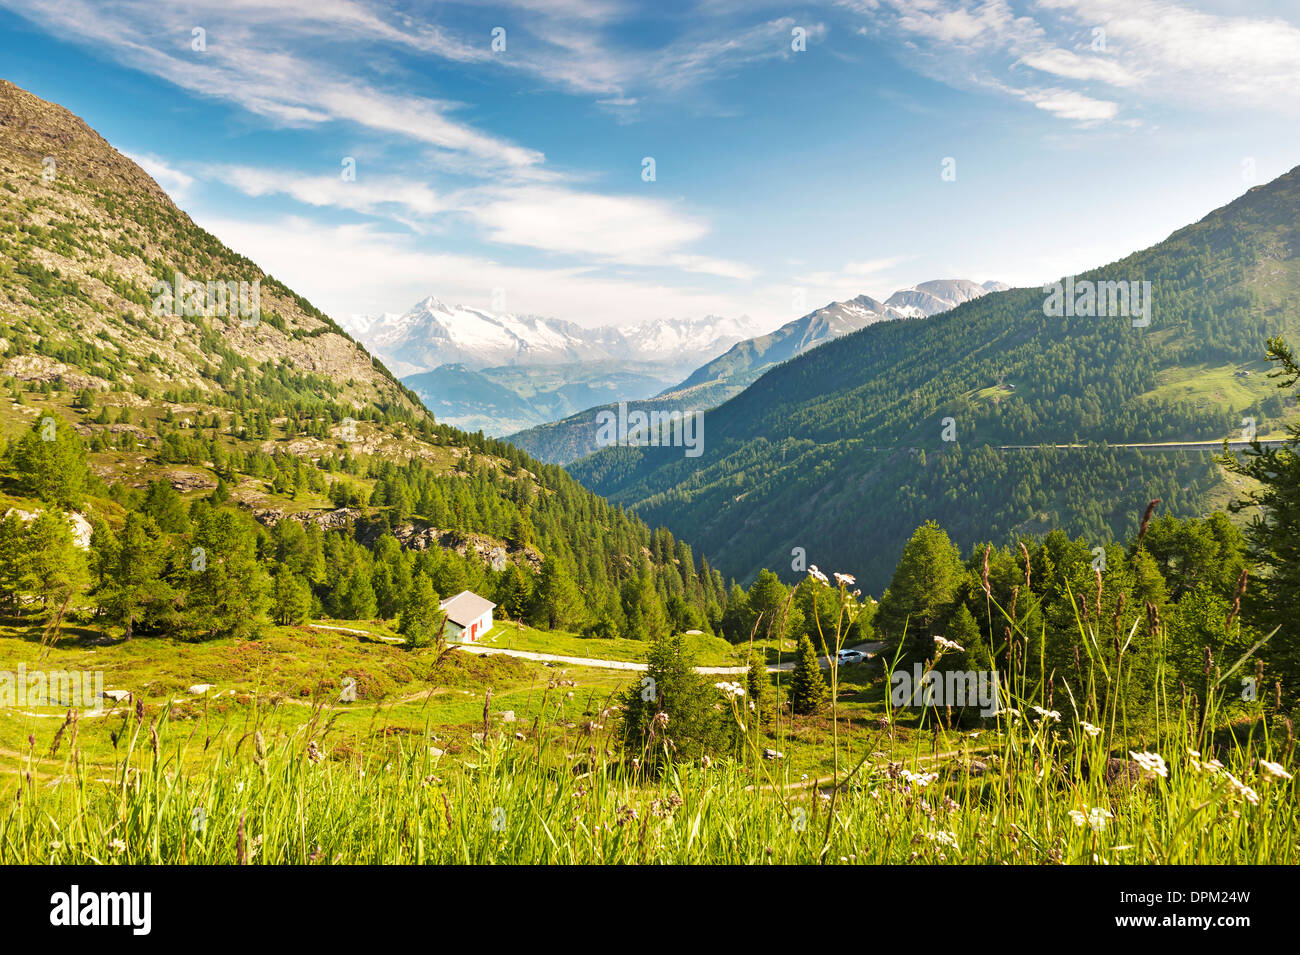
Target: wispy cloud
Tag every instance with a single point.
(367, 269)
(1120, 54)
(598, 228)
(173, 181)
(243, 61)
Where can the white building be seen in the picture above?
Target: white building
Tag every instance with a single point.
(469, 616)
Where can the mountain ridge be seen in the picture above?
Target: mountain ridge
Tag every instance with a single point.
(853, 433)
(717, 380)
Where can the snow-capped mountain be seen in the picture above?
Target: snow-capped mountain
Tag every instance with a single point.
(432, 334)
(742, 362)
(931, 298)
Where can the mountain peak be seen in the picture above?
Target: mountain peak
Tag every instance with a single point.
(56, 138)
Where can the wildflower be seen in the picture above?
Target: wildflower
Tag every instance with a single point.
(1010, 712)
(1097, 818)
(117, 845)
(947, 644)
(816, 574)
(1153, 764)
(942, 838)
(1078, 817)
(1274, 769)
(845, 579)
(1241, 789)
(1052, 715)
(1092, 731)
(731, 689)
(919, 779)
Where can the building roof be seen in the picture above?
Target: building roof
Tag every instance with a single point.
(465, 607)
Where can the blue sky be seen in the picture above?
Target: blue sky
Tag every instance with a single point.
(1079, 130)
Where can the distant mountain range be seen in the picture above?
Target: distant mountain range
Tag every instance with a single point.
(432, 333)
(836, 319)
(731, 372)
(509, 398)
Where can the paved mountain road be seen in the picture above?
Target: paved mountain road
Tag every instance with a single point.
(869, 649)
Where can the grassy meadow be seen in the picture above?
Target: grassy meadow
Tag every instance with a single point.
(427, 766)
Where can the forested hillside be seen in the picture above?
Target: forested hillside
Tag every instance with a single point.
(846, 449)
(198, 468)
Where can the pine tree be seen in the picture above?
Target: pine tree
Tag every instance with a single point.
(133, 592)
(693, 724)
(49, 462)
(226, 590)
(421, 621)
(807, 686)
(557, 600)
(292, 598)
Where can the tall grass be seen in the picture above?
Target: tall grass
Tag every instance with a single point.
(1039, 786)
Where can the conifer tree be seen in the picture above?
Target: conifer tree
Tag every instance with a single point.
(807, 686)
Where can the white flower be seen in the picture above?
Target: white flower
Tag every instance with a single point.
(943, 839)
(1095, 818)
(845, 579)
(1152, 763)
(1242, 790)
(117, 845)
(919, 779)
(731, 689)
(947, 644)
(1052, 715)
(1091, 730)
(1010, 712)
(1274, 769)
(816, 574)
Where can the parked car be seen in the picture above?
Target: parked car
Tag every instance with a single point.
(852, 656)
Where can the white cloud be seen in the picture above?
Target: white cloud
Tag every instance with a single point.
(623, 230)
(174, 182)
(1154, 51)
(366, 194)
(1068, 104)
(1187, 55)
(364, 269)
(245, 62)
(1072, 66)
